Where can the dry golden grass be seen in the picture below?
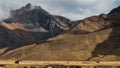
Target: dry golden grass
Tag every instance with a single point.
(68, 46)
(13, 26)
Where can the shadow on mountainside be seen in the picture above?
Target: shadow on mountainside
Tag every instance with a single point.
(109, 46)
(13, 39)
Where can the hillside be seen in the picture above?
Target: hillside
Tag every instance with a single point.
(96, 46)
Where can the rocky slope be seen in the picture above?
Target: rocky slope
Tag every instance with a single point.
(101, 44)
(94, 46)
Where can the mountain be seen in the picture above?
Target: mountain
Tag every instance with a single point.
(34, 17)
(94, 38)
(31, 24)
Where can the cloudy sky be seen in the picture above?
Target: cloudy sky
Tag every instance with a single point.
(72, 9)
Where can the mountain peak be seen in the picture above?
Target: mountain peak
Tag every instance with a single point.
(35, 16)
(28, 5)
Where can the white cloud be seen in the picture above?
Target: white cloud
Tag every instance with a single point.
(73, 9)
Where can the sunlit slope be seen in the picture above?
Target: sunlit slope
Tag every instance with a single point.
(70, 46)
